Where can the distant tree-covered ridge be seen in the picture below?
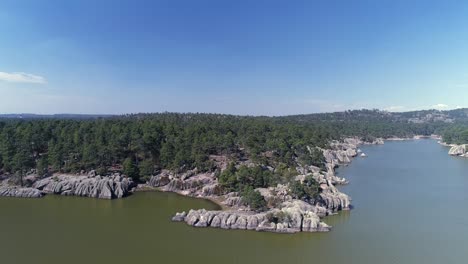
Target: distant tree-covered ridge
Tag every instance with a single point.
(140, 144)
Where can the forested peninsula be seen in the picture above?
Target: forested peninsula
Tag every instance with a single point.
(269, 173)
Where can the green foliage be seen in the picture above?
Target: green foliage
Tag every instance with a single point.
(235, 179)
(146, 169)
(253, 198)
(313, 157)
(456, 135)
(228, 178)
(101, 170)
(42, 166)
(278, 217)
(284, 174)
(131, 169)
(186, 141)
(307, 190)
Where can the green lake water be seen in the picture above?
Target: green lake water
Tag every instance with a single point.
(409, 207)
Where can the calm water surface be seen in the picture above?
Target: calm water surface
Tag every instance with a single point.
(410, 207)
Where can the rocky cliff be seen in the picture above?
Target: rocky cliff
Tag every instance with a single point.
(458, 150)
(103, 187)
(332, 199)
(14, 191)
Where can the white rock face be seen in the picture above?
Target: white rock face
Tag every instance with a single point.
(342, 152)
(296, 216)
(378, 141)
(14, 191)
(103, 187)
(332, 199)
(159, 180)
(458, 150)
(190, 183)
(275, 195)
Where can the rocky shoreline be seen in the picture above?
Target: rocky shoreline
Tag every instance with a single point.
(15, 191)
(285, 214)
(288, 215)
(294, 216)
(415, 137)
(456, 150)
(90, 185)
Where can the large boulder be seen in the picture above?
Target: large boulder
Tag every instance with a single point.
(212, 190)
(458, 150)
(159, 180)
(179, 217)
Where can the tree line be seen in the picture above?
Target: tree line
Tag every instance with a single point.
(457, 134)
(141, 144)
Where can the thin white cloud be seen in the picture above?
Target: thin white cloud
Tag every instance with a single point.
(440, 106)
(22, 77)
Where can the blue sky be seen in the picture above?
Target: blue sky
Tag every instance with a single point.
(238, 57)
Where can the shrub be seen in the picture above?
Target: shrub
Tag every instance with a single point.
(278, 217)
(307, 190)
(253, 199)
(131, 169)
(146, 169)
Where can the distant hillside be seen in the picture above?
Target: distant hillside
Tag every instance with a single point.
(420, 116)
(54, 116)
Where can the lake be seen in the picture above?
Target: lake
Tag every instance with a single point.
(409, 203)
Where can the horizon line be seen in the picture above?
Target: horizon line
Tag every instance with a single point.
(228, 114)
